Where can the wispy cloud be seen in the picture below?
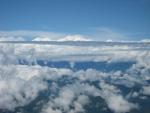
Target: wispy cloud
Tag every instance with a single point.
(106, 33)
(30, 34)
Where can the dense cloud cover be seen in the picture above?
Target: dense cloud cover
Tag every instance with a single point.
(23, 79)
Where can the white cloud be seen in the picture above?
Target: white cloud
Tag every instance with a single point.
(27, 35)
(24, 35)
(74, 38)
(99, 34)
(42, 39)
(63, 38)
(115, 101)
(119, 105)
(146, 90)
(20, 84)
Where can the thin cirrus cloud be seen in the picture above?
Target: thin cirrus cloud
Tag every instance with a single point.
(29, 35)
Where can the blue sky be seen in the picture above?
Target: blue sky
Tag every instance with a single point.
(129, 19)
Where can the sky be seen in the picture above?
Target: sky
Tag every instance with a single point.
(97, 19)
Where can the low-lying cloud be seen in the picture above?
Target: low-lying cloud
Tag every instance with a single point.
(69, 90)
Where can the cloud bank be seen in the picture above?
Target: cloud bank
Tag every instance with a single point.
(24, 35)
(67, 90)
(99, 34)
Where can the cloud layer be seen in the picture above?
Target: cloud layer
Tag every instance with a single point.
(65, 90)
(25, 35)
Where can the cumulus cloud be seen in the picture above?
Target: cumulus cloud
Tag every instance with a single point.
(115, 100)
(146, 90)
(71, 90)
(118, 104)
(19, 84)
(42, 39)
(63, 38)
(74, 38)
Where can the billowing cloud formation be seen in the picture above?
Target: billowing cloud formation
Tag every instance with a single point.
(24, 80)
